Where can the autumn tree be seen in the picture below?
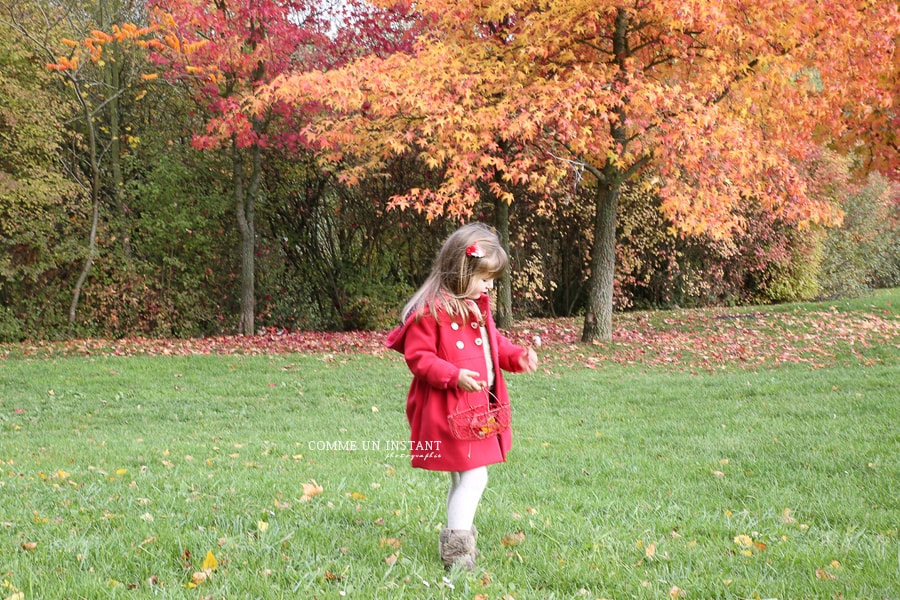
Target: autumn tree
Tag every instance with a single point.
(716, 103)
(69, 42)
(226, 50)
(722, 102)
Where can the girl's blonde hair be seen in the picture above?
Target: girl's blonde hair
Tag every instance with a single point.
(472, 250)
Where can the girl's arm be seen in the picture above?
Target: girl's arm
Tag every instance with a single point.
(420, 352)
(513, 358)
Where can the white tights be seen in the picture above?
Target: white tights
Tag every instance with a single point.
(465, 492)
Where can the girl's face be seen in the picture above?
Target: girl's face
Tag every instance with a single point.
(481, 284)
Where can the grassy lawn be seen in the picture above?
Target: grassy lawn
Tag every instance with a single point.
(703, 454)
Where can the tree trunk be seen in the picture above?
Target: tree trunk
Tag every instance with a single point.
(115, 152)
(94, 163)
(504, 291)
(244, 201)
(598, 318)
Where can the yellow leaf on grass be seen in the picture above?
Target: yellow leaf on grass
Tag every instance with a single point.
(650, 551)
(210, 563)
(744, 541)
(823, 575)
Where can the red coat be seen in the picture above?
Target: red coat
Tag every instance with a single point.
(435, 350)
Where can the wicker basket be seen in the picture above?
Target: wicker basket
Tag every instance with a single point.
(479, 422)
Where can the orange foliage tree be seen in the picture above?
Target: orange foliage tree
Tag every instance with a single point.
(717, 102)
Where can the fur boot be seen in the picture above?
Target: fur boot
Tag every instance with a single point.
(457, 547)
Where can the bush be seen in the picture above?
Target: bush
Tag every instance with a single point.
(864, 252)
(10, 326)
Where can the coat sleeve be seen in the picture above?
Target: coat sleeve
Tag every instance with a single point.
(421, 354)
(509, 354)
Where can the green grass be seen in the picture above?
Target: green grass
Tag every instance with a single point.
(627, 480)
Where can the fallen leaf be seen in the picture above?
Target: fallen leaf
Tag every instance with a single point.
(310, 490)
(390, 560)
(29, 546)
(210, 563)
(823, 575)
(513, 539)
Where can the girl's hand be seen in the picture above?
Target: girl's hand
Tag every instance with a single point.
(468, 381)
(529, 361)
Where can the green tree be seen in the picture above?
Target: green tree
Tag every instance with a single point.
(66, 38)
(38, 203)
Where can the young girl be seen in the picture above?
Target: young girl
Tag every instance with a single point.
(456, 356)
